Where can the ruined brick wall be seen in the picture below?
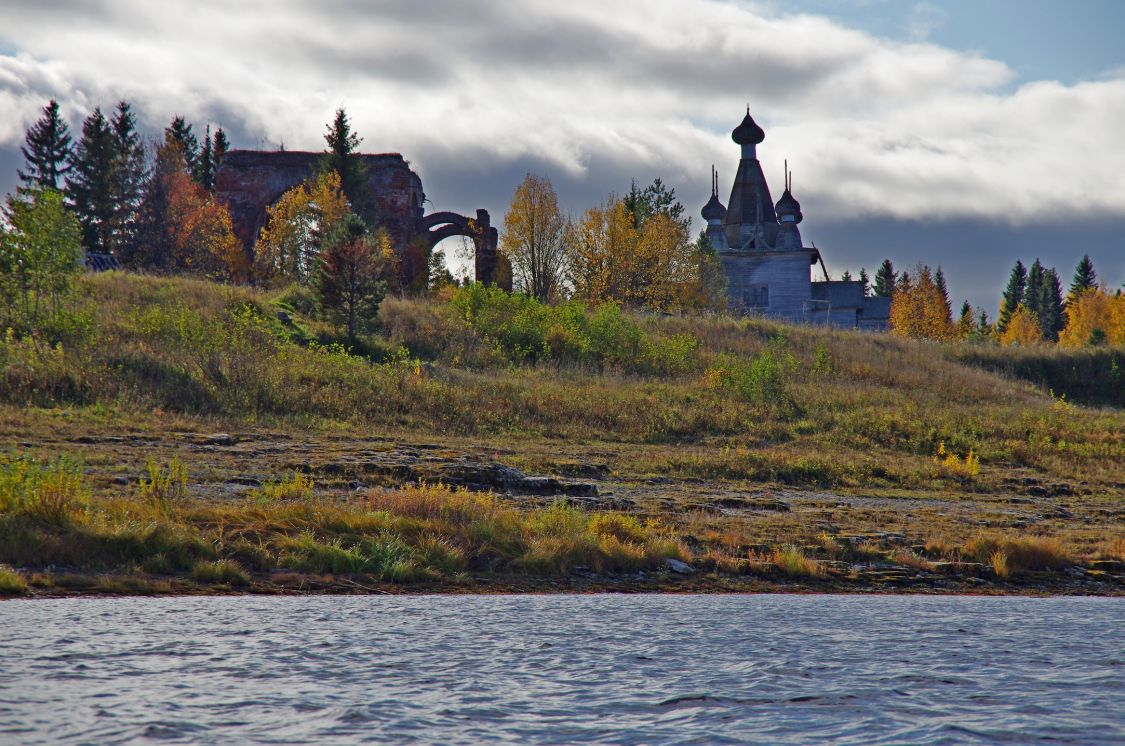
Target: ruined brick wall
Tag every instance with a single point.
(249, 181)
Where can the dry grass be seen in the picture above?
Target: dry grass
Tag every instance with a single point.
(1013, 555)
(11, 583)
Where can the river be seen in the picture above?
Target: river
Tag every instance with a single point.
(771, 669)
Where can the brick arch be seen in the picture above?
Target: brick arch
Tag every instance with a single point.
(250, 181)
(488, 265)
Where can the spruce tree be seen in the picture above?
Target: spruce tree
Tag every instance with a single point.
(127, 182)
(1085, 278)
(885, 280)
(1013, 296)
(847, 276)
(1050, 307)
(220, 147)
(205, 165)
(47, 150)
(342, 156)
(179, 132)
(866, 282)
(1032, 289)
(939, 280)
(89, 185)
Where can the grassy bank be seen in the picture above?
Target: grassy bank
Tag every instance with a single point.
(745, 448)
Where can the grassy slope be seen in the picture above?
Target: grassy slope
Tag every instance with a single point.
(161, 357)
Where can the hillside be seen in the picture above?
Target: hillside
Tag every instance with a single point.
(758, 453)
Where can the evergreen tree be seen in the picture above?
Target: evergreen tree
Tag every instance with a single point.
(47, 150)
(1032, 289)
(342, 156)
(205, 165)
(89, 185)
(220, 147)
(1013, 296)
(847, 276)
(1085, 278)
(127, 182)
(179, 132)
(885, 280)
(654, 199)
(866, 282)
(939, 281)
(349, 288)
(1049, 306)
(984, 329)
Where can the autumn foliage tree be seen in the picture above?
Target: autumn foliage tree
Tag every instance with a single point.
(1094, 316)
(183, 228)
(534, 238)
(919, 308)
(653, 265)
(297, 225)
(1023, 328)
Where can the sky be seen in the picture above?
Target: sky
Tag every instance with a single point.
(960, 133)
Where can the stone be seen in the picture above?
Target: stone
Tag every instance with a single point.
(678, 567)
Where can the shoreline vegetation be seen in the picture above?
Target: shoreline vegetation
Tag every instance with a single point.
(172, 435)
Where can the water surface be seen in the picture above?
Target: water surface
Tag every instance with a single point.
(769, 669)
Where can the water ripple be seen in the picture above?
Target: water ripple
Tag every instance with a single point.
(573, 669)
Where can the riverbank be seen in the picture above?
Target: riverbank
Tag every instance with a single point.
(192, 437)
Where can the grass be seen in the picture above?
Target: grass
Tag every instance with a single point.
(934, 442)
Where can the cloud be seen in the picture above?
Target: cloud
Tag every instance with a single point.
(591, 94)
(924, 19)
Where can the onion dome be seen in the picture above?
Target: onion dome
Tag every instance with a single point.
(789, 207)
(748, 133)
(714, 209)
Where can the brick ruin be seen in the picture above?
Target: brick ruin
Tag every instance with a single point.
(250, 181)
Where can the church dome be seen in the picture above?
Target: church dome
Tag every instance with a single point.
(788, 206)
(714, 209)
(748, 133)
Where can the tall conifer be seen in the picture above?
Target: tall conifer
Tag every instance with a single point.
(1085, 278)
(89, 185)
(342, 156)
(220, 147)
(939, 281)
(205, 165)
(179, 132)
(46, 150)
(1049, 306)
(866, 282)
(885, 280)
(128, 175)
(1013, 296)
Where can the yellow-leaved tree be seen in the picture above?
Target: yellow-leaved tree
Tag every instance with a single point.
(918, 308)
(296, 226)
(534, 238)
(654, 265)
(1094, 316)
(1023, 328)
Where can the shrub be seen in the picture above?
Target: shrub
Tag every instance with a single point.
(53, 492)
(11, 583)
(165, 482)
(297, 487)
(220, 571)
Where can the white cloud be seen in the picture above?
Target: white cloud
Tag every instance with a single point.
(871, 126)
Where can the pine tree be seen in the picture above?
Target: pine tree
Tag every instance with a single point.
(47, 150)
(1085, 278)
(939, 281)
(1013, 296)
(89, 186)
(885, 280)
(965, 326)
(179, 132)
(342, 156)
(128, 175)
(866, 282)
(847, 276)
(1049, 306)
(205, 164)
(348, 285)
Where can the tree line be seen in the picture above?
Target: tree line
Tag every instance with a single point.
(1033, 309)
